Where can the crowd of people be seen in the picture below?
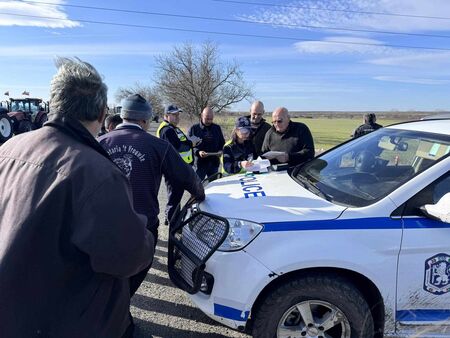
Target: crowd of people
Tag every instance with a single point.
(83, 236)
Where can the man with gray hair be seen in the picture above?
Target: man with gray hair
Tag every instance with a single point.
(287, 141)
(69, 236)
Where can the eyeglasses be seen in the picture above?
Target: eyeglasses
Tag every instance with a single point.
(277, 121)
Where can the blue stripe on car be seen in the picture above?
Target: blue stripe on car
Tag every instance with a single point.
(374, 223)
(229, 312)
(423, 315)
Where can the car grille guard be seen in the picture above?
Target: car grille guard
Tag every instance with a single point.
(194, 237)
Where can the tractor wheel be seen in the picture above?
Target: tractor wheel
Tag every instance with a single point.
(24, 126)
(6, 128)
(40, 122)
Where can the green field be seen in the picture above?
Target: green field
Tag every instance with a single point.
(327, 132)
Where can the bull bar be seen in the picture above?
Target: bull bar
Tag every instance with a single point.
(194, 236)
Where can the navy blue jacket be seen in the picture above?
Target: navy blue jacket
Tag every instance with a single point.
(212, 141)
(144, 158)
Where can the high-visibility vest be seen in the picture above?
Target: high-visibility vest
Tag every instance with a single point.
(224, 173)
(185, 150)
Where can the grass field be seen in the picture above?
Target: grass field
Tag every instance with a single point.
(327, 132)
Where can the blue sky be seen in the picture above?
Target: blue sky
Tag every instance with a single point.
(316, 74)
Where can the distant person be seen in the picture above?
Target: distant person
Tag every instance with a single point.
(168, 130)
(369, 125)
(292, 141)
(70, 238)
(144, 159)
(239, 152)
(111, 122)
(259, 125)
(209, 150)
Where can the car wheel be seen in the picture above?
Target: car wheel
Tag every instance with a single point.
(24, 126)
(324, 306)
(6, 128)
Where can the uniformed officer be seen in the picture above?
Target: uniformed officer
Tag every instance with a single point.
(168, 130)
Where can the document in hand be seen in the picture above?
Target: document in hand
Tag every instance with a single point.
(217, 153)
(194, 139)
(272, 154)
(259, 165)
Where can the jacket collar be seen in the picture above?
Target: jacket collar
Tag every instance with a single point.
(129, 125)
(73, 128)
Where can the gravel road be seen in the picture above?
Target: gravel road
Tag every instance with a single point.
(162, 310)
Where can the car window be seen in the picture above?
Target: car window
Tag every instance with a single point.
(429, 195)
(365, 170)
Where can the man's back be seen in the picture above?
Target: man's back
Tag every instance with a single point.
(141, 157)
(144, 159)
(366, 128)
(65, 239)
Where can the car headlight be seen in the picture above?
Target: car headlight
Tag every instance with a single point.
(241, 233)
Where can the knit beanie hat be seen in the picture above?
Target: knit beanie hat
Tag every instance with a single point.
(135, 107)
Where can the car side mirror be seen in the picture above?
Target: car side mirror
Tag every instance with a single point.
(439, 211)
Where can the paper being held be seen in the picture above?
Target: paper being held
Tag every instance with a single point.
(259, 165)
(272, 154)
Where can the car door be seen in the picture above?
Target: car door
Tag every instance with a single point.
(423, 288)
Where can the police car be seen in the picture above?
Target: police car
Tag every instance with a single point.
(354, 243)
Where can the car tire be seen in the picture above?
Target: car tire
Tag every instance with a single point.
(6, 128)
(280, 315)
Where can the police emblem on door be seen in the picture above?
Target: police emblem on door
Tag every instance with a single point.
(437, 274)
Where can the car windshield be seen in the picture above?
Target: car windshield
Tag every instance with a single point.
(364, 170)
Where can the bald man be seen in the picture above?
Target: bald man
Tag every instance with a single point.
(292, 139)
(208, 151)
(259, 125)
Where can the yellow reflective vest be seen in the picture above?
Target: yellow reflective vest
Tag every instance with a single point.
(185, 150)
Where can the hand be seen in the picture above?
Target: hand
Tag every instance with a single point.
(246, 164)
(283, 158)
(202, 154)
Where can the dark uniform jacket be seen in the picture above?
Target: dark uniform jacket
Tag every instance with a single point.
(69, 238)
(212, 141)
(297, 141)
(258, 134)
(366, 128)
(234, 153)
(144, 158)
(177, 139)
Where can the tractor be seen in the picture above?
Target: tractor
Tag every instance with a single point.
(27, 114)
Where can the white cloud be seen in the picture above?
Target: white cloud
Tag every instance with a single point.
(37, 15)
(306, 13)
(412, 80)
(343, 45)
(418, 59)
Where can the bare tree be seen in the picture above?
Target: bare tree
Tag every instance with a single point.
(194, 78)
(148, 92)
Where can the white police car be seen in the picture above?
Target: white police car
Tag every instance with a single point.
(341, 246)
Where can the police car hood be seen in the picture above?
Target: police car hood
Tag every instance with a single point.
(262, 198)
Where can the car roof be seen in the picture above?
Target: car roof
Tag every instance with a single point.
(437, 126)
